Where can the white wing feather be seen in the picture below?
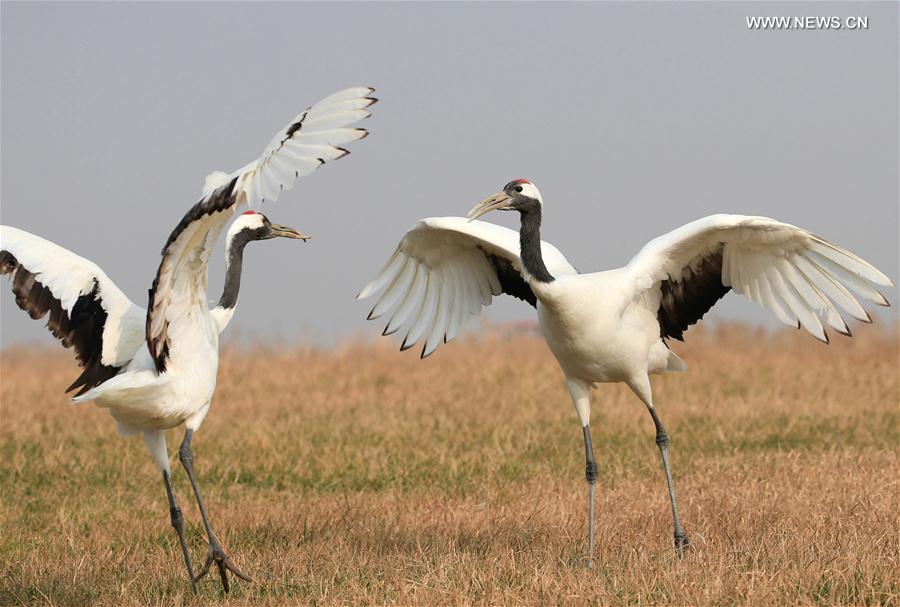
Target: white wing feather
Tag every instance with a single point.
(441, 274)
(799, 276)
(311, 139)
(68, 277)
(178, 295)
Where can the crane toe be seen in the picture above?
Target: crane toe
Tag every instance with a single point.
(223, 563)
(682, 544)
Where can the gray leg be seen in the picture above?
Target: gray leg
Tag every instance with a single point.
(178, 524)
(662, 441)
(216, 554)
(590, 473)
(580, 391)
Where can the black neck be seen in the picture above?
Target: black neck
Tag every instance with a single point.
(233, 263)
(530, 244)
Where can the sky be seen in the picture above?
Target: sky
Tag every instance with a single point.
(632, 119)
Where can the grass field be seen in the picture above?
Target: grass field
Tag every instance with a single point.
(363, 476)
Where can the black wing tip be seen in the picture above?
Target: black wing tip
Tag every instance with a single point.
(94, 374)
(160, 363)
(344, 152)
(296, 126)
(684, 302)
(365, 133)
(8, 262)
(846, 332)
(511, 281)
(372, 101)
(159, 359)
(80, 327)
(404, 346)
(159, 354)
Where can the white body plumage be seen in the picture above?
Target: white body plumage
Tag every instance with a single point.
(593, 336)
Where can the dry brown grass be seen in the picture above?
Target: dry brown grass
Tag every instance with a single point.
(361, 476)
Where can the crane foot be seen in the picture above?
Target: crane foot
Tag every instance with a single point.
(682, 543)
(223, 563)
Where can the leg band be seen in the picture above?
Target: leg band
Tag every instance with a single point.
(590, 472)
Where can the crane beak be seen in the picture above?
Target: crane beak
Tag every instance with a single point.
(500, 200)
(286, 232)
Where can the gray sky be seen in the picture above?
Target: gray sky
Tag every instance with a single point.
(632, 119)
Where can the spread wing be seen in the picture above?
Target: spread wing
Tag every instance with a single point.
(444, 270)
(802, 278)
(87, 311)
(178, 295)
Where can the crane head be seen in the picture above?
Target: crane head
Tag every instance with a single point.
(251, 225)
(517, 195)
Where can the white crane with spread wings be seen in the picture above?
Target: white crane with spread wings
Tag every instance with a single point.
(612, 326)
(156, 369)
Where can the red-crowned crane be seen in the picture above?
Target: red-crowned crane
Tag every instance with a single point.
(156, 369)
(612, 326)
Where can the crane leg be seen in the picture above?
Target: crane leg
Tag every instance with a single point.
(178, 523)
(590, 473)
(662, 441)
(216, 554)
(640, 385)
(580, 392)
